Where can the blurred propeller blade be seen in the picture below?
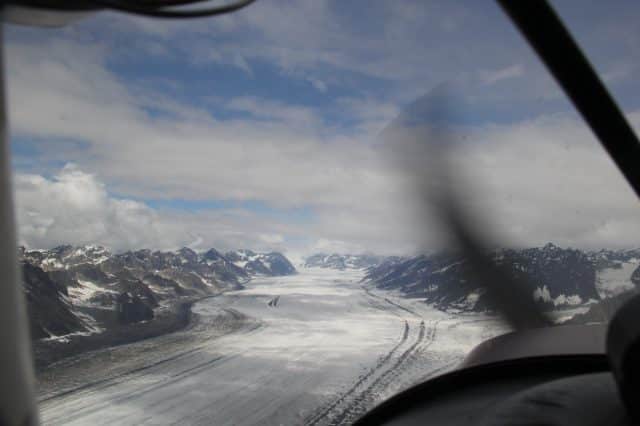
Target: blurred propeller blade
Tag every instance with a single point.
(427, 132)
(509, 295)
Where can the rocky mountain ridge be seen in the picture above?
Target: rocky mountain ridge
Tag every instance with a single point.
(83, 290)
(270, 264)
(559, 277)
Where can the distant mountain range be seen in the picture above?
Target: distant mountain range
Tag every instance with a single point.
(343, 261)
(559, 277)
(87, 289)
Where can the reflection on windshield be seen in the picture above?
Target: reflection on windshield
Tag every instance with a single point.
(250, 219)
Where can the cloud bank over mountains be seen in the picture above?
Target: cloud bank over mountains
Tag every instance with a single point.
(254, 131)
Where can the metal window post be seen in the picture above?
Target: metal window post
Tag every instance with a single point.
(17, 402)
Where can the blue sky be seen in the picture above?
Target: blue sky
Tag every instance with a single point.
(262, 129)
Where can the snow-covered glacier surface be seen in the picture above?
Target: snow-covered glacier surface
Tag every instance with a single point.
(314, 348)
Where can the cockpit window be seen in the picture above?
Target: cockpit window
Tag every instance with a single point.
(245, 219)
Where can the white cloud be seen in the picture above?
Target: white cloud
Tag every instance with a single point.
(319, 85)
(264, 108)
(277, 154)
(369, 109)
(370, 115)
(507, 73)
(538, 180)
(532, 182)
(240, 62)
(74, 207)
(411, 44)
(324, 245)
(271, 238)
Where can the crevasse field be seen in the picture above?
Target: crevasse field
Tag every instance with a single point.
(317, 348)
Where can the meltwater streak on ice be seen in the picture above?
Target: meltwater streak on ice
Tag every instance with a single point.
(315, 348)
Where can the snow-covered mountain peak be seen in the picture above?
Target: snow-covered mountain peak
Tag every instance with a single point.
(272, 263)
(84, 281)
(342, 261)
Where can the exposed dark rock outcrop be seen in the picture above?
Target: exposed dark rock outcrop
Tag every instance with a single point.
(131, 309)
(48, 308)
